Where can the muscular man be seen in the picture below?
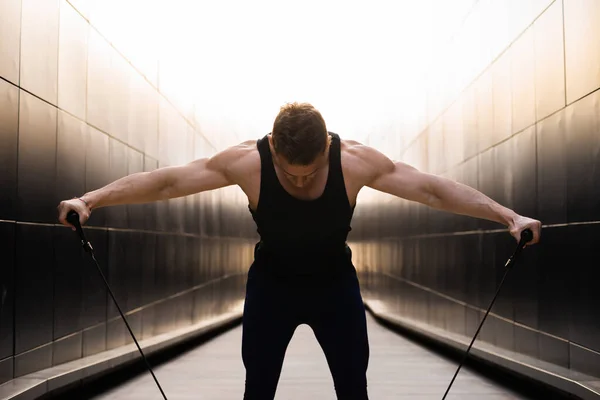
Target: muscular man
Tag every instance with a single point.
(302, 182)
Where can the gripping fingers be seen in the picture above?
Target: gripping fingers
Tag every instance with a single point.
(65, 207)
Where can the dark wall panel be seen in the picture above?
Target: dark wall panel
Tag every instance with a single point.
(118, 243)
(555, 284)
(134, 268)
(96, 170)
(535, 111)
(7, 288)
(522, 161)
(68, 294)
(37, 160)
(72, 135)
(9, 122)
(552, 169)
(148, 263)
(96, 296)
(74, 117)
(585, 320)
(583, 169)
(34, 297)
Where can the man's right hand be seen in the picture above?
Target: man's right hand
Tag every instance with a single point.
(76, 205)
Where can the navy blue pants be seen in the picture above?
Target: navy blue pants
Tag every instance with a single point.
(333, 308)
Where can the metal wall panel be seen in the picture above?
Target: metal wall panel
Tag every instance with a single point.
(552, 169)
(36, 160)
(583, 145)
(529, 148)
(72, 135)
(82, 118)
(584, 329)
(549, 62)
(9, 122)
(522, 54)
(39, 48)
(68, 294)
(96, 170)
(72, 62)
(10, 34)
(502, 98)
(7, 295)
(582, 47)
(33, 297)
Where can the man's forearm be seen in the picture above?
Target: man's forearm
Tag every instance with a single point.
(142, 187)
(448, 195)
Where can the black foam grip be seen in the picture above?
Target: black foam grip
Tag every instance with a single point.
(73, 219)
(526, 236)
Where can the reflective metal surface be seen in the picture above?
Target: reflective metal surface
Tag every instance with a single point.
(72, 61)
(7, 296)
(39, 48)
(582, 47)
(527, 150)
(502, 128)
(549, 61)
(9, 122)
(36, 160)
(10, 28)
(89, 119)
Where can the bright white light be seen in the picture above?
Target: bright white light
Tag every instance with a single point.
(357, 62)
(230, 64)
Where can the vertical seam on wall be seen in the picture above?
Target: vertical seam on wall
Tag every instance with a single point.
(54, 264)
(14, 303)
(86, 139)
(87, 64)
(18, 208)
(564, 50)
(20, 44)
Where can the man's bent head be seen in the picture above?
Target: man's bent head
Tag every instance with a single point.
(299, 134)
(300, 141)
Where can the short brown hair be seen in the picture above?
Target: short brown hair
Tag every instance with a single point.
(299, 133)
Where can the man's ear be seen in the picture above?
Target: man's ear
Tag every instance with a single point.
(270, 137)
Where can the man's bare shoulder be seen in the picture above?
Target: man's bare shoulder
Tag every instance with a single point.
(239, 159)
(362, 159)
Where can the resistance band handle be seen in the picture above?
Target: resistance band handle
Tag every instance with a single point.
(526, 237)
(73, 219)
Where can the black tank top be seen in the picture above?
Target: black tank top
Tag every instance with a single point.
(303, 237)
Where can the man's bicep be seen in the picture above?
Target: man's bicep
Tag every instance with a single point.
(404, 181)
(198, 176)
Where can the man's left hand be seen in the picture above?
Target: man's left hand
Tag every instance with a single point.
(522, 223)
